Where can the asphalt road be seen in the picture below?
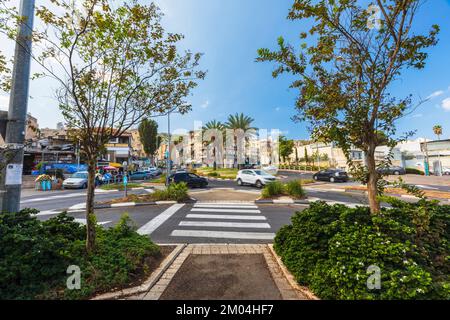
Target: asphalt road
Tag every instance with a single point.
(200, 222)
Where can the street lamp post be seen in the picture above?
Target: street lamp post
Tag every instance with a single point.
(168, 150)
(125, 177)
(11, 175)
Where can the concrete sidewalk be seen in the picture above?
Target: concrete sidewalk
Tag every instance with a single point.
(227, 271)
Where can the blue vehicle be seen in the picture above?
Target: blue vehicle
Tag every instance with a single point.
(139, 175)
(65, 167)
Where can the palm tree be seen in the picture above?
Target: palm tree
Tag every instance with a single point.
(213, 125)
(438, 131)
(236, 122)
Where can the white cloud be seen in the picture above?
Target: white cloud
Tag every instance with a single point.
(435, 94)
(4, 102)
(446, 104)
(419, 115)
(277, 109)
(205, 104)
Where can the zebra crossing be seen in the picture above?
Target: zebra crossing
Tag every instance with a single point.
(224, 220)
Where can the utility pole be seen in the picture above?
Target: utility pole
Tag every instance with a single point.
(168, 149)
(11, 176)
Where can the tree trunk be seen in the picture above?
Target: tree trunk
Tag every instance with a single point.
(372, 190)
(90, 216)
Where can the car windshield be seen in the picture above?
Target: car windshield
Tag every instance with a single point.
(261, 173)
(80, 175)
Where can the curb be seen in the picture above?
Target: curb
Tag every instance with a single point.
(282, 202)
(150, 282)
(290, 278)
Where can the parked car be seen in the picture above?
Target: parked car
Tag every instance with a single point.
(192, 180)
(153, 170)
(79, 180)
(139, 175)
(446, 171)
(270, 170)
(331, 175)
(397, 171)
(258, 178)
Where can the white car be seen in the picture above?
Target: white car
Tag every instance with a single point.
(446, 171)
(258, 178)
(270, 170)
(78, 180)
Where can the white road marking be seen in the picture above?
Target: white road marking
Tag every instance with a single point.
(224, 217)
(83, 221)
(225, 206)
(223, 234)
(427, 187)
(225, 210)
(78, 206)
(218, 224)
(48, 213)
(156, 222)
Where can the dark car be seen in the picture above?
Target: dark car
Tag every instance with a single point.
(192, 180)
(397, 171)
(331, 175)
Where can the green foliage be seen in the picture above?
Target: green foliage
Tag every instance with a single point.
(273, 189)
(239, 121)
(35, 255)
(174, 192)
(329, 249)
(295, 190)
(286, 147)
(344, 71)
(148, 134)
(213, 174)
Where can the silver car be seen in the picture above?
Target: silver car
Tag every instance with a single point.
(78, 180)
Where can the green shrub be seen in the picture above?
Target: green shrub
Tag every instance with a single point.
(414, 171)
(35, 255)
(273, 189)
(174, 192)
(329, 249)
(295, 190)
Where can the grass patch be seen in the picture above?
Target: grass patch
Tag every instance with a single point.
(224, 173)
(35, 255)
(160, 179)
(175, 192)
(120, 186)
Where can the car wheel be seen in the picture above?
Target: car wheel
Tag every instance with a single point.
(397, 173)
(258, 184)
(84, 186)
(332, 180)
(239, 182)
(315, 178)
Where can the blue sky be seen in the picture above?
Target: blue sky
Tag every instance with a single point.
(229, 32)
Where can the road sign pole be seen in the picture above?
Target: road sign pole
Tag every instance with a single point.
(11, 175)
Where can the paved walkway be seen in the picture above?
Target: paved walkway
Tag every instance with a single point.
(226, 271)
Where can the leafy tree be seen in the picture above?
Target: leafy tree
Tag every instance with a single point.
(286, 147)
(115, 66)
(148, 134)
(345, 71)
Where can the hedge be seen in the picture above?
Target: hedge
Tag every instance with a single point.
(331, 248)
